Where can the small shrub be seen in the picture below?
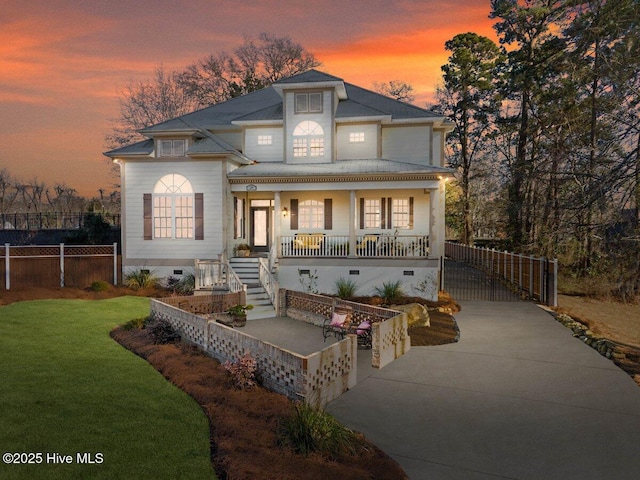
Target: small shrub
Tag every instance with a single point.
(346, 288)
(100, 286)
(135, 324)
(140, 278)
(243, 371)
(390, 291)
(181, 286)
(311, 429)
(187, 284)
(162, 331)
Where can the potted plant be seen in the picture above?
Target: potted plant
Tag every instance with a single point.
(239, 314)
(243, 250)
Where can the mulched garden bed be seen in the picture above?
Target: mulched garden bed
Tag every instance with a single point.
(443, 330)
(244, 423)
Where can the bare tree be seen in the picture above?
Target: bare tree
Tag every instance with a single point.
(396, 89)
(32, 193)
(255, 64)
(64, 199)
(8, 192)
(144, 103)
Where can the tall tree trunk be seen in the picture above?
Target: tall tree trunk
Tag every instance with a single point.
(518, 176)
(637, 191)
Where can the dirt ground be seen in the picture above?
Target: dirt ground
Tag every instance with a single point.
(42, 293)
(616, 321)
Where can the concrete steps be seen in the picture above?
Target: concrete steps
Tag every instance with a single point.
(248, 270)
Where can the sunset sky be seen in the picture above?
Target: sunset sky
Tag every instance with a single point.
(62, 62)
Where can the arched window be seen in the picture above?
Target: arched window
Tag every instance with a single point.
(173, 215)
(308, 140)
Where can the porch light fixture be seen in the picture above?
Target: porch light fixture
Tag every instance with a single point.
(285, 212)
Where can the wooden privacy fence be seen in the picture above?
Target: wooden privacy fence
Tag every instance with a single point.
(59, 265)
(531, 277)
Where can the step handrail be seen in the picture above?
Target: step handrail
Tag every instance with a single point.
(268, 282)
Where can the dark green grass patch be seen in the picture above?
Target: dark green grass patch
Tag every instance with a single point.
(67, 388)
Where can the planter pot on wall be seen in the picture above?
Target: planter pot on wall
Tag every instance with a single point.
(239, 320)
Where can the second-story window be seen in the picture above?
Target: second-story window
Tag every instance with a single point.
(308, 140)
(356, 137)
(308, 102)
(265, 139)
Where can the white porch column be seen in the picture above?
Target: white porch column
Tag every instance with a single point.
(436, 220)
(352, 223)
(277, 223)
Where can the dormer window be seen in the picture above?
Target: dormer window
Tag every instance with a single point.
(173, 148)
(308, 102)
(308, 140)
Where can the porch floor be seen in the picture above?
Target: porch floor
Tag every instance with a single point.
(301, 338)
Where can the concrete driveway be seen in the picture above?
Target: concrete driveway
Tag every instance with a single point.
(518, 397)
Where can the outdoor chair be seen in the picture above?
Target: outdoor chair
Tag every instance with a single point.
(340, 324)
(368, 246)
(308, 243)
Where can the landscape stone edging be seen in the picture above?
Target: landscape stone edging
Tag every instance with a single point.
(604, 346)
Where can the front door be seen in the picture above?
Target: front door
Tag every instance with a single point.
(260, 229)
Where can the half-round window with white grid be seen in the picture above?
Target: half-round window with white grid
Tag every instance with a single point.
(173, 215)
(308, 139)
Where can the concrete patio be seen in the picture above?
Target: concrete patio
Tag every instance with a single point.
(302, 338)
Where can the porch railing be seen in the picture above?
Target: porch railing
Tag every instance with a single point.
(268, 282)
(216, 274)
(368, 246)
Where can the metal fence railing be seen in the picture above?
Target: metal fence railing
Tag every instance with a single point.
(526, 276)
(53, 220)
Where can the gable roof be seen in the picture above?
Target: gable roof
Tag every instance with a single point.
(310, 76)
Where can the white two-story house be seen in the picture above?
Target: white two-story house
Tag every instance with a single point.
(324, 179)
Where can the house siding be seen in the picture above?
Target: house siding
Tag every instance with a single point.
(206, 178)
(410, 144)
(352, 151)
(264, 153)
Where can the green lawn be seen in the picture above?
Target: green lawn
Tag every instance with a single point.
(66, 388)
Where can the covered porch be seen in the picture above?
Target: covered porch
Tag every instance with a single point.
(364, 223)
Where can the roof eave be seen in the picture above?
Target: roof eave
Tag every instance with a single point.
(365, 118)
(332, 84)
(257, 123)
